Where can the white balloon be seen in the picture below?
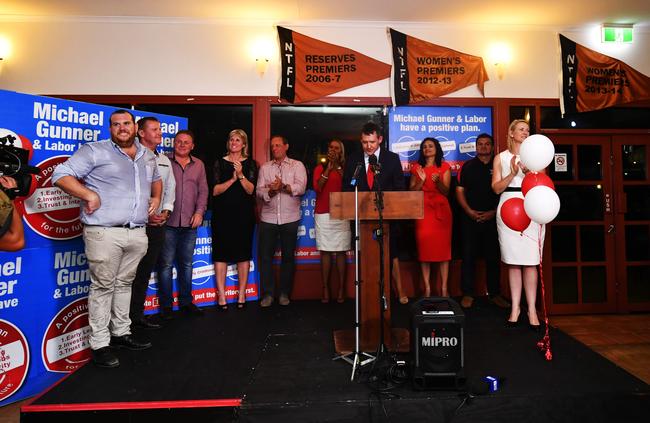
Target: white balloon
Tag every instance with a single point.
(541, 204)
(536, 152)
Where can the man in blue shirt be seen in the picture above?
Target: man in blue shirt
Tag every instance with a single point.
(119, 185)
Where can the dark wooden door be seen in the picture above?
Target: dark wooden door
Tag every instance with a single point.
(631, 164)
(580, 250)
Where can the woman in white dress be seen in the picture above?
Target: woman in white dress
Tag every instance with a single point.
(520, 251)
(333, 237)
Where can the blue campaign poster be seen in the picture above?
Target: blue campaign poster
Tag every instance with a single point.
(44, 287)
(204, 286)
(306, 251)
(455, 128)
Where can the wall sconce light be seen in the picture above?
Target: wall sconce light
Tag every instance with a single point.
(5, 50)
(262, 49)
(617, 33)
(261, 64)
(500, 55)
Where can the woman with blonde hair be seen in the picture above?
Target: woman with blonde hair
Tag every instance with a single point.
(333, 237)
(519, 251)
(233, 214)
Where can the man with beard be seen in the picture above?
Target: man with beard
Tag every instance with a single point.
(119, 187)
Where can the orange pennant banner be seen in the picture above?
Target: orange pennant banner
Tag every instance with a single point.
(422, 70)
(592, 81)
(312, 69)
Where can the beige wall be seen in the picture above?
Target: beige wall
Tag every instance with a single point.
(165, 57)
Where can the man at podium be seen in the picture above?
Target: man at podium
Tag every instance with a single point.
(376, 165)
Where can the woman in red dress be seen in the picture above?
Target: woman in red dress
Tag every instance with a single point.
(433, 233)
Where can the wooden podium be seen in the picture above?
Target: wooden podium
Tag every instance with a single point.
(397, 205)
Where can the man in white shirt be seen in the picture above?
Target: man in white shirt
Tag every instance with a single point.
(150, 136)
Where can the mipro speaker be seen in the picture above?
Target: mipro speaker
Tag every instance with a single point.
(437, 343)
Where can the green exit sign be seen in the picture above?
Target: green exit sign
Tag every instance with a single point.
(617, 34)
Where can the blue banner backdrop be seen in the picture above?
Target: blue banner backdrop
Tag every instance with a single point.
(43, 288)
(455, 128)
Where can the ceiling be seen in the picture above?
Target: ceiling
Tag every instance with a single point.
(556, 13)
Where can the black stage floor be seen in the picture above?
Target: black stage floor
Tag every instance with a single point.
(276, 365)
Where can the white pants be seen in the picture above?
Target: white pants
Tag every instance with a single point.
(113, 255)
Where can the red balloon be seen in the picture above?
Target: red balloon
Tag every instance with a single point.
(514, 215)
(533, 179)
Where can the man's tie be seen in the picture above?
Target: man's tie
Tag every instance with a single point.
(370, 176)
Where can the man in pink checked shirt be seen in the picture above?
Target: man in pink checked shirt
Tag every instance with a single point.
(280, 186)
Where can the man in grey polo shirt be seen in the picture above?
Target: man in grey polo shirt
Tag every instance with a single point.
(119, 185)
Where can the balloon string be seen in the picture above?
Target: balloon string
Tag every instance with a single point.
(543, 344)
(536, 240)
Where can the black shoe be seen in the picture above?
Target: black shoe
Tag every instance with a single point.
(192, 309)
(103, 357)
(511, 325)
(144, 323)
(129, 342)
(535, 328)
(166, 313)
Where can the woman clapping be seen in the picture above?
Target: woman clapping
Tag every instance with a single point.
(233, 214)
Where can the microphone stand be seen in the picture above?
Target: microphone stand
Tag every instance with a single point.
(382, 362)
(379, 236)
(360, 358)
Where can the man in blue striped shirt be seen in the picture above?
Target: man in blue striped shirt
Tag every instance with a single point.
(119, 185)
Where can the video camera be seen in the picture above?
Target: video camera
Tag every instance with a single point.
(13, 162)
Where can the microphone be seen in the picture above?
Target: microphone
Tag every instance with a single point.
(357, 171)
(374, 164)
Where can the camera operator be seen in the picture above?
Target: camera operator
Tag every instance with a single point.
(12, 237)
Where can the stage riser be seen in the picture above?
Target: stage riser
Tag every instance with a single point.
(185, 415)
(279, 362)
(487, 409)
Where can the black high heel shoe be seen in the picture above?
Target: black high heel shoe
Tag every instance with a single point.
(534, 328)
(513, 324)
(222, 307)
(241, 306)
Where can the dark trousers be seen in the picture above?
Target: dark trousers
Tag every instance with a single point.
(179, 248)
(479, 239)
(269, 235)
(156, 235)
